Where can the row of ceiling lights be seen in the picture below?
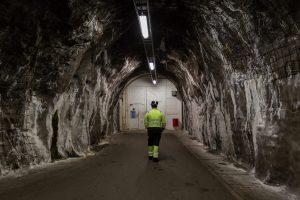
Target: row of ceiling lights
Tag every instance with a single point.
(143, 13)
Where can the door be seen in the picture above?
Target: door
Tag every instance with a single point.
(136, 108)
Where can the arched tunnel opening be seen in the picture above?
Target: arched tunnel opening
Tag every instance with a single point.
(136, 98)
(234, 64)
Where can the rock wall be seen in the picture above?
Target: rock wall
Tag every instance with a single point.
(59, 78)
(63, 64)
(239, 72)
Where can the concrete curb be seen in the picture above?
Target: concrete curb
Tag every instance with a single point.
(231, 190)
(241, 184)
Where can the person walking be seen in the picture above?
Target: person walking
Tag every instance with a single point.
(155, 123)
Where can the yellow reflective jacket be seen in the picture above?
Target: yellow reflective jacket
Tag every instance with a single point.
(155, 118)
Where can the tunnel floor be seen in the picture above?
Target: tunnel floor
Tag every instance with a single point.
(121, 171)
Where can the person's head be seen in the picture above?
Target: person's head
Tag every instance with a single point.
(154, 104)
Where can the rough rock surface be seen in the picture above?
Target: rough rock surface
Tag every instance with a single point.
(238, 66)
(60, 77)
(64, 63)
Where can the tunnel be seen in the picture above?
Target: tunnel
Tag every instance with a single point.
(67, 66)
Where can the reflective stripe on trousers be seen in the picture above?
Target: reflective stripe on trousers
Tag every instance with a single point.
(155, 151)
(150, 150)
(154, 135)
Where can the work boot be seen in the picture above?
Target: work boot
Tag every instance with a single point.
(150, 157)
(155, 160)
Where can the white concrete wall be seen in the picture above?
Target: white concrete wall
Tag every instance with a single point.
(139, 95)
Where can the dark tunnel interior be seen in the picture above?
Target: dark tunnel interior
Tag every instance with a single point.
(235, 63)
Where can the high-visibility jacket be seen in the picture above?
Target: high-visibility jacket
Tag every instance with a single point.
(155, 118)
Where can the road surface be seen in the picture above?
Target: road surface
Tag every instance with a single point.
(121, 171)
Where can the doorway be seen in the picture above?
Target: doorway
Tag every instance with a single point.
(138, 96)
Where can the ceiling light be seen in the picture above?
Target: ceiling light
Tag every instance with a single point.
(144, 26)
(154, 82)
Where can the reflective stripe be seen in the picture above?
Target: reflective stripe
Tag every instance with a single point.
(155, 122)
(155, 151)
(150, 150)
(154, 118)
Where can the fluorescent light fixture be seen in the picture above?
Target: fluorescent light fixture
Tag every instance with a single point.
(144, 26)
(154, 82)
(151, 65)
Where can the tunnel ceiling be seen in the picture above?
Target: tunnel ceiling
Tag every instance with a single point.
(215, 33)
(220, 29)
(64, 64)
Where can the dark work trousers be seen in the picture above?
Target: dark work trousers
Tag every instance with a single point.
(154, 135)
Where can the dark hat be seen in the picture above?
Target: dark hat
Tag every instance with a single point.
(154, 103)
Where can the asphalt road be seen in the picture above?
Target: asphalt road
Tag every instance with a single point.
(121, 171)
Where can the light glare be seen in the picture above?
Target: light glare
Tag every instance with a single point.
(154, 82)
(151, 65)
(144, 26)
